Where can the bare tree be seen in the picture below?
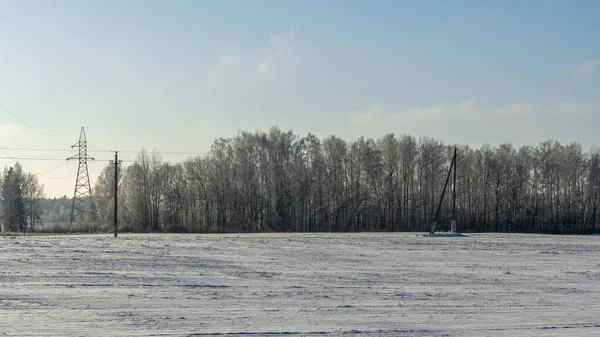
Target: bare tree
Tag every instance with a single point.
(279, 181)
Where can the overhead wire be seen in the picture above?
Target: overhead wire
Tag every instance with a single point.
(95, 160)
(106, 151)
(35, 149)
(24, 156)
(31, 127)
(158, 152)
(28, 158)
(56, 168)
(32, 156)
(33, 171)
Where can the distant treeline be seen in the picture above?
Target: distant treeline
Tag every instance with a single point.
(279, 181)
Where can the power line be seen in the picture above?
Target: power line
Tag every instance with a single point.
(54, 169)
(31, 127)
(106, 151)
(57, 159)
(28, 158)
(36, 149)
(158, 152)
(33, 171)
(32, 156)
(58, 178)
(96, 160)
(28, 155)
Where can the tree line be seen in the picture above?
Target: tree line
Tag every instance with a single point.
(280, 181)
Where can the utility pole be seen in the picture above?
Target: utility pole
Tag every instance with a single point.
(116, 162)
(453, 221)
(439, 207)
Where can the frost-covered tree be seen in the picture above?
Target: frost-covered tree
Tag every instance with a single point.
(15, 216)
(32, 193)
(280, 181)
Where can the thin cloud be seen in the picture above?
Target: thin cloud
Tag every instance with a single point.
(581, 108)
(370, 115)
(513, 110)
(279, 45)
(467, 109)
(283, 38)
(265, 68)
(227, 66)
(228, 60)
(8, 132)
(586, 68)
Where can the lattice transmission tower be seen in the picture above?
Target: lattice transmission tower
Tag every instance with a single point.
(83, 190)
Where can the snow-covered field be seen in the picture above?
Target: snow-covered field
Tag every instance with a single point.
(367, 284)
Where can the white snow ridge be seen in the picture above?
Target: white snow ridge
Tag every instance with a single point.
(446, 235)
(364, 284)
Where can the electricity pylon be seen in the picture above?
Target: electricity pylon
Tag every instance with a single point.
(83, 190)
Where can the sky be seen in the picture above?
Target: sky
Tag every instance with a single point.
(175, 75)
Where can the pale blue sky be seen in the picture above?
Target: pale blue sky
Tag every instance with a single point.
(176, 74)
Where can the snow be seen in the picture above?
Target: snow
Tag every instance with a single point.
(365, 284)
(446, 234)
